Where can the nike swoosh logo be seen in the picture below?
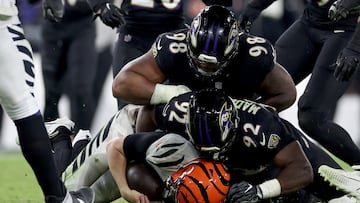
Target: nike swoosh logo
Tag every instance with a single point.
(249, 188)
(158, 47)
(80, 200)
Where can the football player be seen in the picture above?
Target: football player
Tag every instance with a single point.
(266, 155)
(348, 59)
(211, 53)
(310, 46)
(139, 23)
(82, 162)
(66, 55)
(17, 80)
(200, 180)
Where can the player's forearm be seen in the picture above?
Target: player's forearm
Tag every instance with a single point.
(117, 164)
(260, 4)
(291, 182)
(252, 11)
(293, 159)
(96, 4)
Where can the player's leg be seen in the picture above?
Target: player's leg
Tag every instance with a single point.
(79, 142)
(60, 132)
(65, 143)
(103, 66)
(347, 181)
(82, 59)
(91, 163)
(319, 99)
(53, 68)
(105, 188)
(297, 61)
(17, 75)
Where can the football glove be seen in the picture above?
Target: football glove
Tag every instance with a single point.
(244, 192)
(247, 17)
(53, 10)
(111, 15)
(341, 8)
(346, 64)
(244, 23)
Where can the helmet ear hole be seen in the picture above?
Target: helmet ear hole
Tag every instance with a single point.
(213, 39)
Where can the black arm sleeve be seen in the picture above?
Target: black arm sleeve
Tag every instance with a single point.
(135, 145)
(253, 9)
(226, 3)
(96, 4)
(260, 4)
(354, 43)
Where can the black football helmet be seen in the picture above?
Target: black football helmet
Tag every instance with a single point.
(212, 120)
(212, 40)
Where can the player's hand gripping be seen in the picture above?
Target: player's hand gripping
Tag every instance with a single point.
(346, 64)
(243, 192)
(341, 8)
(135, 196)
(111, 15)
(53, 10)
(247, 17)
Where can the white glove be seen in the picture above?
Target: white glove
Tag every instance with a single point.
(163, 93)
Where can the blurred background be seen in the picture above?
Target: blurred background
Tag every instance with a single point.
(272, 22)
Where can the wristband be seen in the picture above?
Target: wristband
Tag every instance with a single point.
(158, 95)
(270, 188)
(163, 93)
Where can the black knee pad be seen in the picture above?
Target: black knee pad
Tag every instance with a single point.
(311, 122)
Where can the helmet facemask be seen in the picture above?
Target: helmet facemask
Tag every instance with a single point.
(212, 40)
(200, 180)
(212, 120)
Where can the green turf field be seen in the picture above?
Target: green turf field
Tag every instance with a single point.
(17, 181)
